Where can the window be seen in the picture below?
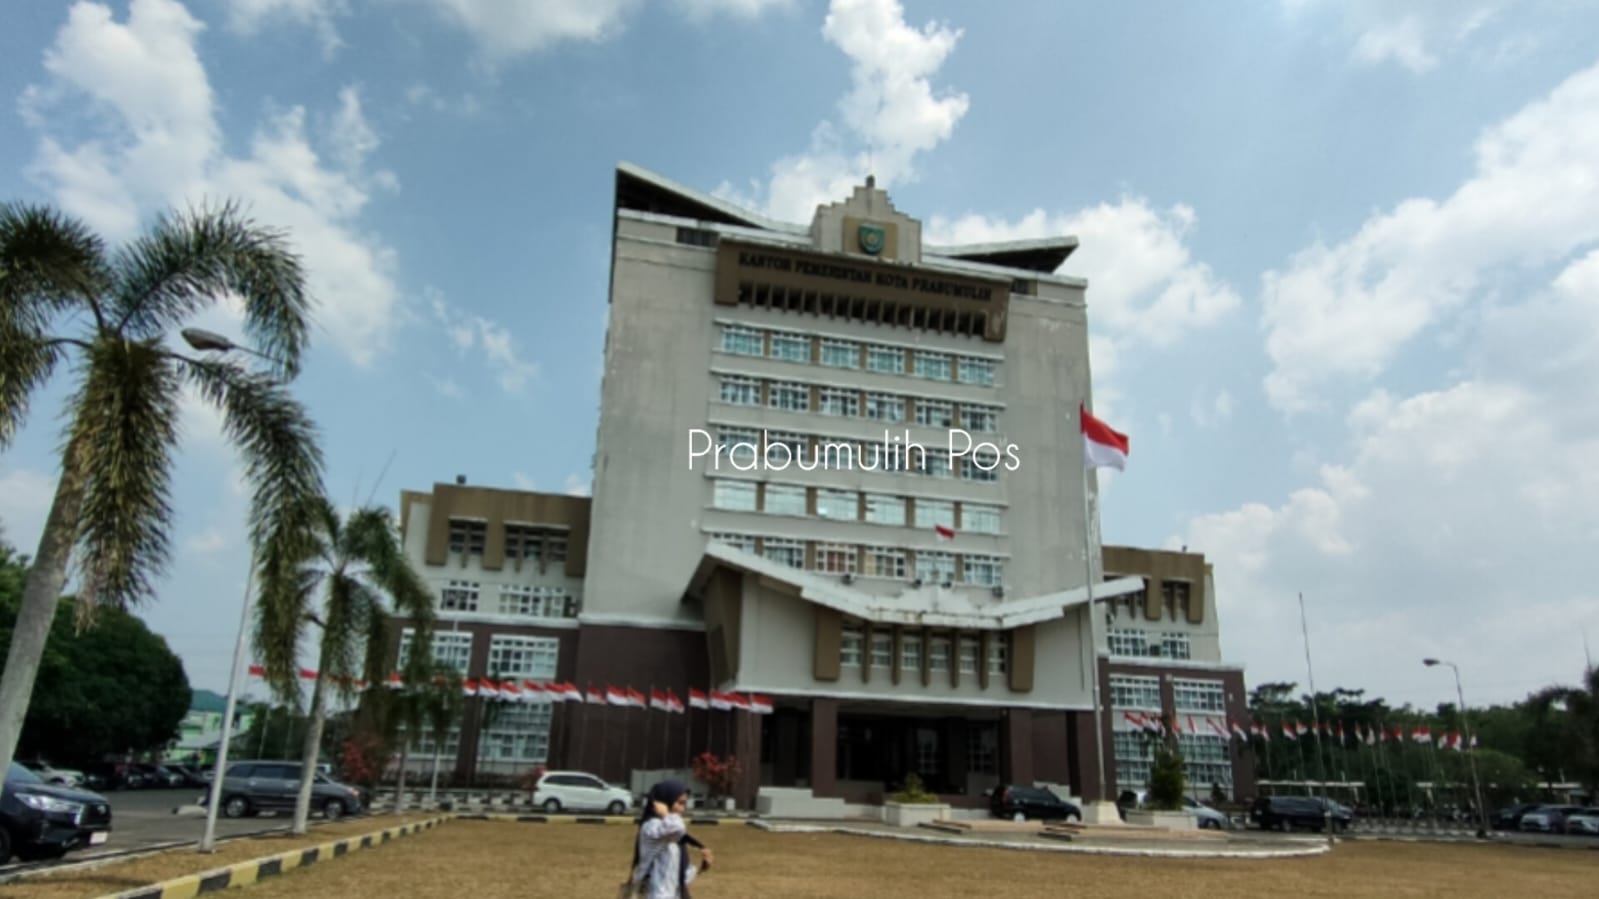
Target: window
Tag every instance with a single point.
(982, 750)
(519, 733)
(987, 571)
(910, 652)
(740, 391)
(886, 458)
(784, 552)
(938, 654)
(980, 519)
(932, 365)
(936, 464)
(798, 448)
(451, 649)
(468, 537)
(1205, 758)
(885, 407)
(459, 596)
(997, 654)
(555, 548)
(789, 396)
(935, 567)
(838, 455)
(516, 656)
(883, 561)
(969, 651)
(1132, 692)
(838, 505)
(976, 371)
(837, 401)
(1176, 646)
(1135, 755)
(1176, 595)
(881, 509)
(784, 499)
(737, 541)
(791, 347)
(1198, 696)
(979, 418)
(738, 496)
(885, 360)
(882, 650)
(1127, 643)
(743, 341)
(980, 465)
(935, 414)
(836, 558)
(841, 353)
(850, 647)
(740, 445)
(524, 601)
(934, 511)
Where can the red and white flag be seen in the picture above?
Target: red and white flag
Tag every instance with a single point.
(1288, 731)
(510, 690)
(488, 689)
(1136, 719)
(307, 674)
(1103, 446)
(596, 696)
(674, 702)
(635, 699)
(698, 700)
(469, 687)
(739, 701)
(1239, 732)
(658, 701)
(719, 701)
(257, 671)
(395, 681)
(615, 695)
(535, 692)
(943, 531)
(760, 705)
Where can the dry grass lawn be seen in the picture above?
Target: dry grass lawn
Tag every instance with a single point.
(487, 860)
(115, 877)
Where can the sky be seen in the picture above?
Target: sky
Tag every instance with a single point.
(1343, 261)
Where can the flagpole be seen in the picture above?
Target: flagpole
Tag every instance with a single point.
(1315, 713)
(1093, 641)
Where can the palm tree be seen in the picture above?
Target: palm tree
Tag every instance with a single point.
(429, 696)
(64, 298)
(339, 584)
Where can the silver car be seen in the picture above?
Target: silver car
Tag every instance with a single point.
(253, 787)
(1207, 817)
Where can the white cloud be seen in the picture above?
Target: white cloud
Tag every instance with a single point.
(208, 543)
(25, 497)
(522, 481)
(248, 17)
(744, 9)
(891, 112)
(1212, 412)
(576, 486)
(1343, 311)
(159, 146)
(503, 30)
(476, 335)
(1414, 34)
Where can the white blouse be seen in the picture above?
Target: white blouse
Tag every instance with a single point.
(659, 856)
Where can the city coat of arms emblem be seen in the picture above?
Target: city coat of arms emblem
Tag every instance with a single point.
(871, 239)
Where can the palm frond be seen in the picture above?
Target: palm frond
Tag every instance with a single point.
(287, 594)
(48, 262)
(347, 620)
(26, 362)
(125, 424)
(189, 261)
(373, 537)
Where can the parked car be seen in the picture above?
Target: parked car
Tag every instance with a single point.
(249, 788)
(1509, 818)
(40, 820)
(1288, 812)
(559, 791)
(1585, 822)
(1207, 817)
(64, 777)
(1548, 818)
(1022, 803)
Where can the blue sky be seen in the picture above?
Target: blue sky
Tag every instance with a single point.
(1343, 259)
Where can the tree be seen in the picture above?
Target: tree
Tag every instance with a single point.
(339, 582)
(110, 511)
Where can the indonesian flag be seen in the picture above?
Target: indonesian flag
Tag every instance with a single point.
(1103, 446)
(469, 687)
(698, 700)
(674, 702)
(488, 689)
(615, 695)
(1301, 728)
(596, 696)
(394, 681)
(635, 698)
(510, 690)
(1421, 735)
(944, 532)
(307, 674)
(739, 701)
(1217, 726)
(1192, 727)
(257, 671)
(719, 701)
(1288, 731)
(760, 705)
(658, 701)
(1398, 734)
(534, 692)
(1340, 732)
(1136, 719)
(1473, 741)
(1239, 732)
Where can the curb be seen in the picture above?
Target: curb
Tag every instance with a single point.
(569, 819)
(242, 874)
(1308, 850)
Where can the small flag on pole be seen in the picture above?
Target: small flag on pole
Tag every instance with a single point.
(947, 533)
(698, 700)
(257, 671)
(1103, 446)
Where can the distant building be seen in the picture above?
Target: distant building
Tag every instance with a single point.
(200, 731)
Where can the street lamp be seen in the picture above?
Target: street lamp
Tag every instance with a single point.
(211, 341)
(1482, 812)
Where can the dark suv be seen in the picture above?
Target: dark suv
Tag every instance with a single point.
(252, 787)
(1288, 812)
(40, 820)
(1021, 803)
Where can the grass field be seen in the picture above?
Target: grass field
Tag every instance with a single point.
(490, 859)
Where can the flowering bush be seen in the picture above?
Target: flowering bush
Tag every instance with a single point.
(720, 775)
(362, 760)
(530, 780)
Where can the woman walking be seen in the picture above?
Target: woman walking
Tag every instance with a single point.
(661, 868)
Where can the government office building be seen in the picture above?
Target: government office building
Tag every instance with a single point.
(836, 467)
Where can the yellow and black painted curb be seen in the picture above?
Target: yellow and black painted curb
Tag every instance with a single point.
(242, 874)
(569, 819)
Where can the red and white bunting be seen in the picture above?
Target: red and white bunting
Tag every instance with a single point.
(658, 701)
(469, 687)
(760, 705)
(488, 689)
(595, 696)
(698, 700)
(677, 702)
(739, 701)
(307, 674)
(510, 690)
(534, 692)
(636, 699)
(719, 701)
(615, 695)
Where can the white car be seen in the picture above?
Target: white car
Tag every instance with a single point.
(560, 791)
(1207, 817)
(65, 777)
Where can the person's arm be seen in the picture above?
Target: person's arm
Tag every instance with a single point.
(688, 840)
(668, 826)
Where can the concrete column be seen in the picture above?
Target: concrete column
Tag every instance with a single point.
(785, 748)
(1016, 739)
(824, 747)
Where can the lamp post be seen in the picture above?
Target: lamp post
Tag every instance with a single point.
(208, 341)
(1476, 784)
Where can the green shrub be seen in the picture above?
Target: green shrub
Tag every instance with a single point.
(914, 791)
(1166, 784)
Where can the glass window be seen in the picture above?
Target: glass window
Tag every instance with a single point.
(1176, 645)
(467, 536)
(980, 519)
(838, 455)
(932, 365)
(935, 414)
(987, 571)
(850, 647)
(841, 353)
(839, 505)
(516, 656)
(791, 347)
(970, 650)
(882, 650)
(982, 750)
(882, 561)
(1133, 692)
(1124, 642)
(736, 495)
(935, 567)
(459, 596)
(885, 407)
(976, 371)
(910, 652)
(740, 444)
(837, 401)
(836, 558)
(934, 511)
(745, 542)
(740, 391)
(799, 448)
(451, 649)
(938, 654)
(743, 341)
(979, 418)
(998, 654)
(980, 465)
(785, 499)
(789, 396)
(784, 552)
(936, 464)
(881, 509)
(1198, 696)
(885, 360)
(519, 732)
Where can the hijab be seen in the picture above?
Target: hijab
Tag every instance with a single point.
(667, 792)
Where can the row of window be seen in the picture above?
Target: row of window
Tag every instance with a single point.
(848, 402)
(514, 600)
(469, 537)
(1205, 759)
(1130, 691)
(743, 449)
(1176, 596)
(516, 733)
(510, 655)
(851, 505)
(1136, 643)
(871, 561)
(832, 352)
(965, 651)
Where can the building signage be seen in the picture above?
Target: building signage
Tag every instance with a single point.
(924, 284)
(871, 239)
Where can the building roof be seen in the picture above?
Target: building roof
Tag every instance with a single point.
(931, 606)
(639, 189)
(207, 701)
